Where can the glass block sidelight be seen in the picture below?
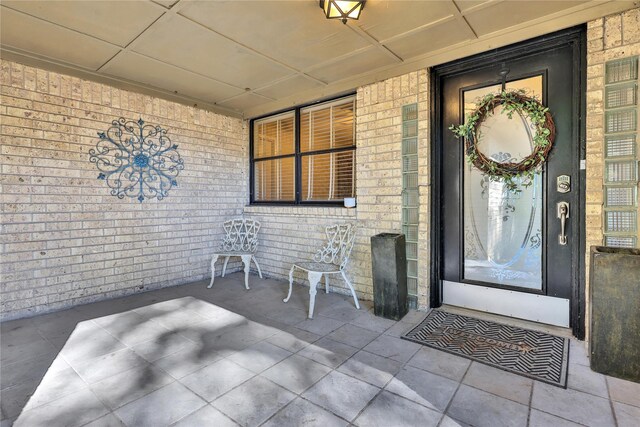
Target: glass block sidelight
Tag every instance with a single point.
(620, 196)
(409, 129)
(410, 196)
(412, 250)
(412, 285)
(410, 180)
(620, 241)
(621, 70)
(620, 146)
(620, 120)
(410, 215)
(411, 232)
(621, 153)
(410, 163)
(620, 221)
(410, 112)
(410, 146)
(621, 171)
(412, 268)
(624, 95)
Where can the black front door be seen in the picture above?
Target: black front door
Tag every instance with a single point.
(501, 251)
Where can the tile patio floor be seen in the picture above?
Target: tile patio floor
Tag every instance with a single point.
(190, 356)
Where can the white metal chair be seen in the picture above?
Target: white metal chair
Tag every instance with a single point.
(242, 241)
(331, 259)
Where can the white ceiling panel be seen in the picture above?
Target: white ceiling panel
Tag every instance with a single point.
(289, 87)
(510, 13)
(294, 32)
(36, 36)
(465, 5)
(386, 19)
(261, 56)
(166, 3)
(118, 23)
(180, 42)
(132, 66)
(429, 40)
(352, 65)
(245, 101)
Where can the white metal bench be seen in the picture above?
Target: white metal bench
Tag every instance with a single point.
(331, 259)
(241, 240)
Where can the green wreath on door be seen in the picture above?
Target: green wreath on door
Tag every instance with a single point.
(513, 174)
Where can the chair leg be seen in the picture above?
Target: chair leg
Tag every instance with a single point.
(246, 260)
(224, 267)
(353, 292)
(255, 261)
(290, 284)
(314, 278)
(326, 283)
(213, 270)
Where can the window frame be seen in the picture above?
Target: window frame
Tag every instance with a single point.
(298, 155)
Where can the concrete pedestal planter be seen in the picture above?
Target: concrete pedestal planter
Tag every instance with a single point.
(389, 265)
(615, 312)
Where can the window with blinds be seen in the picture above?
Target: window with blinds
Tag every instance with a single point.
(319, 167)
(274, 159)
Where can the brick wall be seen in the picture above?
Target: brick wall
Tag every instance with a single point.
(613, 37)
(65, 239)
(609, 38)
(290, 233)
(378, 191)
(378, 172)
(379, 167)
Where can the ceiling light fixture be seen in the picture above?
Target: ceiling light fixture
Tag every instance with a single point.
(343, 10)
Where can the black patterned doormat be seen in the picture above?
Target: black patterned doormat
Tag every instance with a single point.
(532, 354)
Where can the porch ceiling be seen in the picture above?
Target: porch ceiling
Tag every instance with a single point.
(247, 58)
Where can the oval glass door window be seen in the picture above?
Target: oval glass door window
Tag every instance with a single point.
(502, 229)
(505, 139)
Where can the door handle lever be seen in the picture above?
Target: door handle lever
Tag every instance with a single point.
(563, 214)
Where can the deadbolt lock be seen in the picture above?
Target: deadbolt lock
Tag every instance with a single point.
(563, 184)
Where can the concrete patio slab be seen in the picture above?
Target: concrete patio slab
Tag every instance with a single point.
(479, 408)
(208, 415)
(368, 367)
(390, 410)
(161, 407)
(296, 373)
(341, 394)
(216, 379)
(499, 382)
(192, 356)
(583, 408)
(301, 412)
(425, 388)
(252, 403)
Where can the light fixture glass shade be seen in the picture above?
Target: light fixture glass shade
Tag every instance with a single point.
(343, 10)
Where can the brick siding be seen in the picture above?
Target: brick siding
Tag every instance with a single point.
(609, 38)
(65, 239)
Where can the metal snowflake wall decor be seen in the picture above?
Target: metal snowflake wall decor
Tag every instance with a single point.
(137, 160)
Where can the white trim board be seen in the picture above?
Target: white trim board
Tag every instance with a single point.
(521, 305)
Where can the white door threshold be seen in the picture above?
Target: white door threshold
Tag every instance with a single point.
(511, 321)
(521, 305)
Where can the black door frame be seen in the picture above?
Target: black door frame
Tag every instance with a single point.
(576, 38)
